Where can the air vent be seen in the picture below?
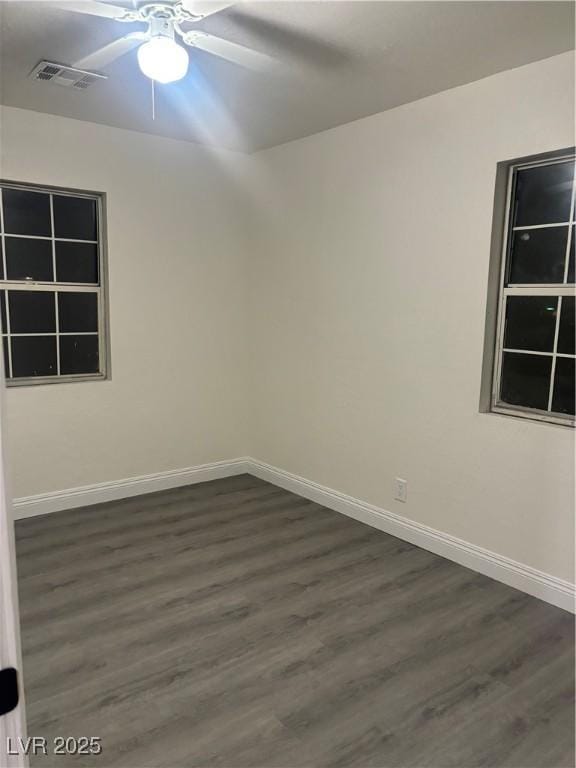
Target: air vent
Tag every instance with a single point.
(68, 77)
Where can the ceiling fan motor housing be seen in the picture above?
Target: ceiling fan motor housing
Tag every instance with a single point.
(155, 13)
(163, 17)
(161, 27)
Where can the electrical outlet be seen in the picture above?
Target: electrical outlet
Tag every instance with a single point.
(401, 489)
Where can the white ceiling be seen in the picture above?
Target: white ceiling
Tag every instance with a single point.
(336, 62)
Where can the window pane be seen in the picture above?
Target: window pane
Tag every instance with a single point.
(538, 255)
(79, 354)
(32, 311)
(566, 337)
(571, 258)
(6, 361)
(26, 213)
(543, 194)
(33, 356)
(530, 322)
(74, 217)
(28, 259)
(525, 380)
(76, 262)
(563, 399)
(3, 311)
(78, 311)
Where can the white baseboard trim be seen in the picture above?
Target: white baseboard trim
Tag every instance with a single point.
(523, 577)
(42, 504)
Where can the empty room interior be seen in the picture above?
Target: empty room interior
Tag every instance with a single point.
(287, 296)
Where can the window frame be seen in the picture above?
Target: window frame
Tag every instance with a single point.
(530, 289)
(100, 289)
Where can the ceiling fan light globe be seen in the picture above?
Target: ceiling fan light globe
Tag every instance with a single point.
(163, 60)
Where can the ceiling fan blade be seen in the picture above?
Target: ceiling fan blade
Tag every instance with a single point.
(109, 53)
(206, 7)
(238, 54)
(91, 7)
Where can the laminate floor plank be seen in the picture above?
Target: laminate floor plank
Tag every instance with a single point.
(233, 624)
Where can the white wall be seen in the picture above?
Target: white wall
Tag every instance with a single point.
(368, 305)
(177, 309)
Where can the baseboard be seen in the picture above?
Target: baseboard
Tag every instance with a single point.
(42, 504)
(525, 578)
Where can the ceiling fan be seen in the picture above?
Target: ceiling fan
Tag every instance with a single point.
(161, 56)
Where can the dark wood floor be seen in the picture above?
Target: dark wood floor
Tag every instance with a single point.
(235, 624)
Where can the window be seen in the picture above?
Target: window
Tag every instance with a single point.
(534, 361)
(52, 301)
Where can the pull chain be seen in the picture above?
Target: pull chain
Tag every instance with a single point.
(153, 101)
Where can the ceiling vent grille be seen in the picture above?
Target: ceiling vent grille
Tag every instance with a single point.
(68, 77)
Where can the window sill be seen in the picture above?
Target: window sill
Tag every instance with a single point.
(539, 417)
(34, 381)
